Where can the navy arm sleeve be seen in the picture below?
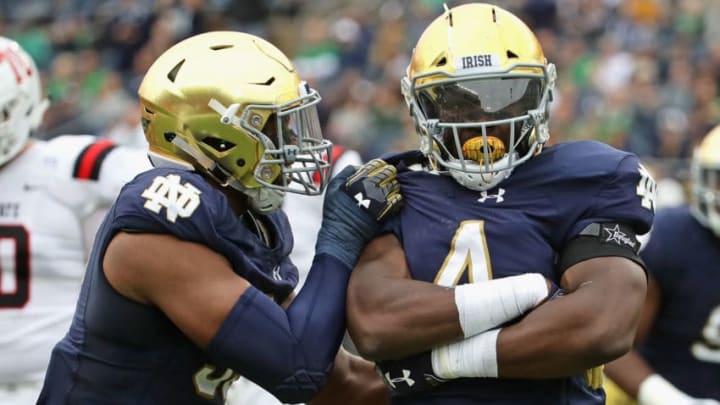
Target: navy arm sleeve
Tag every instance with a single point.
(287, 353)
(291, 353)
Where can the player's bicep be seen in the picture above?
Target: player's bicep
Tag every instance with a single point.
(612, 289)
(391, 315)
(604, 253)
(383, 259)
(193, 285)
(371, 291)
(620, 272)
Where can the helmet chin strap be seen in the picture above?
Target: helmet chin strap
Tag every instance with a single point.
(264, 200)
(218, 172)
(482, 181)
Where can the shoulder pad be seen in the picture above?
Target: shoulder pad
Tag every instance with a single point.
(403, 160)
(174, 201)
(596, 159)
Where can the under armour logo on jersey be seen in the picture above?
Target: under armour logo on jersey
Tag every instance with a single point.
(404, 379)
(179, 200)
(498, 197)
(362, 202)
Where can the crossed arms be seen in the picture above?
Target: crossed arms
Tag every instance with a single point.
(391, 316)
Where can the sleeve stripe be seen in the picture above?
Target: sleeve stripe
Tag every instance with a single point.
(337, 151)
(89, 162)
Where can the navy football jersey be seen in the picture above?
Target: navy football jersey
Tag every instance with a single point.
(684, 343)
(119, 351)
(453, 235)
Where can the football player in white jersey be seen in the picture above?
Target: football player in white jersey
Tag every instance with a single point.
(305, 214)
(49, 193)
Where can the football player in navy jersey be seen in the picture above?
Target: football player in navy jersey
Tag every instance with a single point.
(512, 273)
(677, 357)
(189, 283)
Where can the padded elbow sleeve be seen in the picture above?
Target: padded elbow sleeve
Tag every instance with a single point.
(289, 354)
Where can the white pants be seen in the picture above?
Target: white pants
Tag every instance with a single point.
(245, 392)
(20, 394)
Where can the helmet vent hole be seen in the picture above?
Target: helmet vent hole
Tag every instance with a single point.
(174, 71)
(267, 82)
(220, 47)
(494, 15)
(511, 55)
(220, 145)
(442, 62)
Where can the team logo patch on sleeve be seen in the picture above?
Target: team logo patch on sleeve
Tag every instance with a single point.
(614, 234)
(179, 200)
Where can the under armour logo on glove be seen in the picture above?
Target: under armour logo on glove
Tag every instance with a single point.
(391, 382)
(362, 202)
(375, 188)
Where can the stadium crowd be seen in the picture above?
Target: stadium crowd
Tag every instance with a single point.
(641, 75)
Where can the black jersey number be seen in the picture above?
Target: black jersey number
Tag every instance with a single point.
(14, 266)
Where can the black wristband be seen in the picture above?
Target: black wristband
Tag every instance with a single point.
(601, 240)
(410, 375)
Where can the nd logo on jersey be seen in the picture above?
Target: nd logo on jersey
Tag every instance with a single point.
(179, 200)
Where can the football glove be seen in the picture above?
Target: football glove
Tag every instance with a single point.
(356, 201)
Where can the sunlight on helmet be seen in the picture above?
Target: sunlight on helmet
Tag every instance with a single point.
(478, 87)
(705, 179)
(231, 105)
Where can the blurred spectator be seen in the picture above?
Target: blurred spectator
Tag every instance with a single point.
(621, 63)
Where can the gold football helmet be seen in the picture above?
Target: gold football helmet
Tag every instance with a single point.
(231, 105)
(705, 179)
(478, 87)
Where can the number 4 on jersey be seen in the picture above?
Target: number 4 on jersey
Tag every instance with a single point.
(646, 189)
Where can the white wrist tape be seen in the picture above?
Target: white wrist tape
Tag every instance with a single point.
(485, 305)
(656, 390)
(473, 357)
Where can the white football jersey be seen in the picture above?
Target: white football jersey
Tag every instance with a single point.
(47, 194)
